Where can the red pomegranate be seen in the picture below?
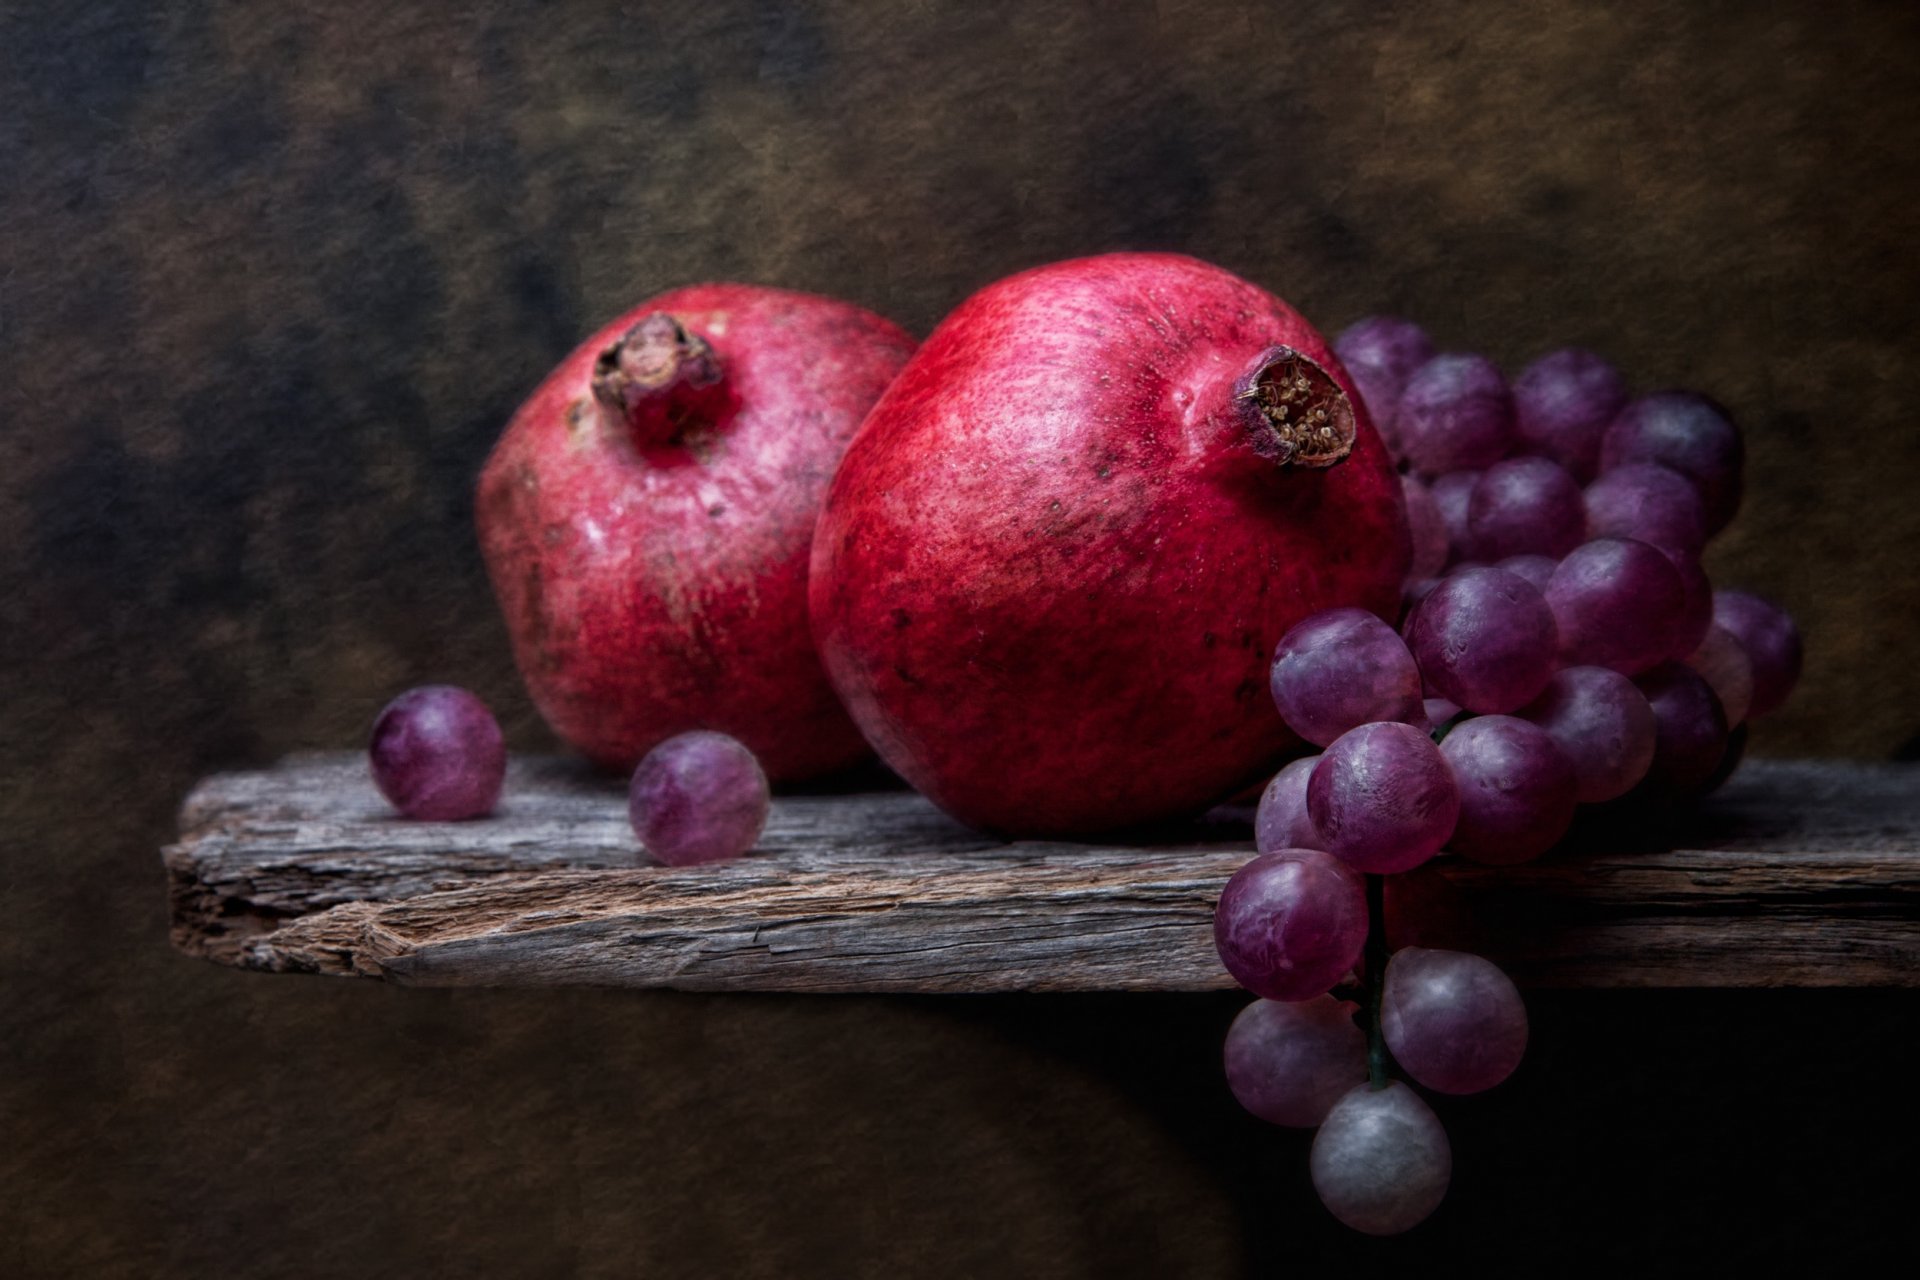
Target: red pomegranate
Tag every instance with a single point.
(1056, 559)
(647, 515)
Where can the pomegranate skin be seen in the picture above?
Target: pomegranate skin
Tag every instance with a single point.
(1054, 564)
(651, 561)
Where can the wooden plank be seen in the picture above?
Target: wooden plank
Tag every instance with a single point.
(1797, 873)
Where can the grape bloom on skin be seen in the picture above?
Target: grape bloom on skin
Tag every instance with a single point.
(698, 797)
(437, 754)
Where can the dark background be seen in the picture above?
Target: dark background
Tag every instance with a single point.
(272, 278)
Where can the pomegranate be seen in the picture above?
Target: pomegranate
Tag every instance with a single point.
(1055, 562)
(646, 519)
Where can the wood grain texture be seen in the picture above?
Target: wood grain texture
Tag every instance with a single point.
(1797, 874)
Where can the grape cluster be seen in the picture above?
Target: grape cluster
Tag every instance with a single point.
(1559, 645)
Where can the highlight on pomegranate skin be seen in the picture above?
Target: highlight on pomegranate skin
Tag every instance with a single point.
(437, 754)
(1134, 464)
(698, 797)
(1289, 1061)
(1291, 923)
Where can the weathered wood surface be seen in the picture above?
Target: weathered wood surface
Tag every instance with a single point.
(1796, 874)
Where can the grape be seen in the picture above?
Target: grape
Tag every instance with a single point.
(1381, 1161)
(1341, 668)
(1649, 503)
(1601, 720)
(1484, 639)
(437, 754)
(1289, 1061)
(1696, 609)
(1291, 923)
(1453, 1020)
(1380, 353)
(698, 797)
(1455, 413)
(1772, 642)
(1722, 662)
(1453, 494)
(1432, 546)
(1281, 821)
(1382, 798)
(1616, 603)
(1691, 434)
(1525, 506)
(1535, 569)
(1690, 730)
(1729, 760)
(1439, 711)
(1516, 789)
(1562, 404)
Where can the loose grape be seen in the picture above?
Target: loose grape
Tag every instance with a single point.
(1562, 404)
(1772, 642)
(1648, 503)
(1432, 546)
(1291, 923)
(1690, 731)
(1455, 413)
(1722, 662)
(1535, 569)
(1525, 506)
(1691, 434)
(1616, 603)
(1484, 639)
(1517, 789)
(1382, 798)
(1341, 668)
(1601, 720)
(1289, 1061)
(1381, 1161)
(1380, 353)
(1280, 821)
(698, 797)
(437, 754)
(1453, 1020)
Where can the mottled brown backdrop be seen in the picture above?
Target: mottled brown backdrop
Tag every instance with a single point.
(272, 276)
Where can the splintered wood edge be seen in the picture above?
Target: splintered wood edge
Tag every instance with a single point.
(1810, 878)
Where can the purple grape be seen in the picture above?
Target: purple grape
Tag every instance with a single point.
(1289, 1061)
(1484, 639)
(1690, 433)
(1696, 609)
(1453, 494)
(1439, 711)
(1281, 821)
(1722, 662)
(1772, 642)
(698, 797)
(1601, 720)
(1516, 786)
(1616, 603)
(1729, 761)
(1456, 413)
(1648, 503)
(1537, 570)
(1381, 1161)
(1432, 546)
(1562, 404)
(1382, 798)
(1380, 353)
(1291, 923)
(1341, 668)
(437, 754)
(1690, 730)
(1525, 506)
(1453, 1020)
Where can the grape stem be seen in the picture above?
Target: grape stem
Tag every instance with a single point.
(1376, 962)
